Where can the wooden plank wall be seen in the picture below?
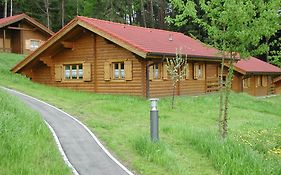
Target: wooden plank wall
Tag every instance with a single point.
(83, 51)
(31, 34)
(106, 51)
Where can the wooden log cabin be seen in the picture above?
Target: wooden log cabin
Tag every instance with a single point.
(22, 34)
(256, 77)
(106, 57)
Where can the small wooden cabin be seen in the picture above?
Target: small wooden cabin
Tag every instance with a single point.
(255, 77)
(106, 57)
(22, 34)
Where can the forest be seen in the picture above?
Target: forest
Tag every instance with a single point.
(146, 13)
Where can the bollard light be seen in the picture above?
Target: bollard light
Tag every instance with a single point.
(154, 134)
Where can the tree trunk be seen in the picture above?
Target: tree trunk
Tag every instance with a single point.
(11, 8)
(173, 98)
(5, 8)
(221, 98)
(143, 13)
(151, 13)
(62, 13)
(77, 7)
(46, 3)
(226, 100)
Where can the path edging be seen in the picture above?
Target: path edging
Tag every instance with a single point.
(85, 127)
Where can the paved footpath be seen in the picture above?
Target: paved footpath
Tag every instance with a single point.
(82, 149)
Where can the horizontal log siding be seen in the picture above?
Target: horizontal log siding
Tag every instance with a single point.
(83, 51)
(107, 51)
(31, 34)
(41, 74)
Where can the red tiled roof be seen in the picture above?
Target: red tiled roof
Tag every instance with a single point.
(12, 19)
(153, 40)
(254, 65)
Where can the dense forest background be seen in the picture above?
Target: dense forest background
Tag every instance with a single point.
(146, 13)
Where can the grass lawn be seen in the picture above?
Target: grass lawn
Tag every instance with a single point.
(26, 144)
(188, 133)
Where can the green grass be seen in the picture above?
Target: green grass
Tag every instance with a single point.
(26, 144)
(188, 141)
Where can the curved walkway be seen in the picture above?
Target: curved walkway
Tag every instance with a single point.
(84, 153)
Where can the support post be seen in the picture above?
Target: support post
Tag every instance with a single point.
(154, 124)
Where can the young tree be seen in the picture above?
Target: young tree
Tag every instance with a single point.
(176, 68)
(275, 55)
(233, 26)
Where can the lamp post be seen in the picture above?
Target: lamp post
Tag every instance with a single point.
(154, 134)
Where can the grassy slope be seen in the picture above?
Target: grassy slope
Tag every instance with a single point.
(26, 146)
(188, 134)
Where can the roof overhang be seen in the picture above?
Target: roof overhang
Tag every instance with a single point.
(43, 47)
(114, 39)
(277, 79)
(30, 20)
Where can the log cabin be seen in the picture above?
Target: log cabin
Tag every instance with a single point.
(22, 34)
(106, 57)
(255, 77)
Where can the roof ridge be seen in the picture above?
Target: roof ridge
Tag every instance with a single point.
(130, 25)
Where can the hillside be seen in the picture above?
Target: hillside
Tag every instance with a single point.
(27, 146)
(188, 134)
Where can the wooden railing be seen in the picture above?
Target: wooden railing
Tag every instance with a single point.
(212, 85)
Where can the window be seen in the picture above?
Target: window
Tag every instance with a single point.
(247, 83)
(258, 81)
(34, 44)
(261, 81)
(156, 71)
(118, 71)
(187, 71)
(199, 71)
(73, 72)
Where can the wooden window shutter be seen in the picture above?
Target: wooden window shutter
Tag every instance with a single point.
(107, 71)
(128, 70)
(58, 72)
(195, 70)
(257, 78)
(27, 44)
(87, 72)
(187, 71)
(203, 71)
(151, 73)
(165, 71)
(264, 81)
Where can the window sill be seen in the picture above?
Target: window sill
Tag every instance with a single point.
(72, 81)
(118, 81)
(156, 80)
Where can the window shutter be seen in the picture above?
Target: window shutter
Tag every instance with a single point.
(257, 78)
(203, 71)
(151, 73)
(264, 81)
(195, 71)
(87, 73)
(128, 70)
(165, 71)
(58, 72)
(27, 44)
(107, 71)
(187, 71)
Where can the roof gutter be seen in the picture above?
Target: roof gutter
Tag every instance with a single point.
(198, 57)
